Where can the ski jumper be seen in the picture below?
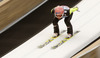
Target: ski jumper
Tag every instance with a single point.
(63, 12)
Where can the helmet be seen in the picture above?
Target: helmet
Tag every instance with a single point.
(59, 11)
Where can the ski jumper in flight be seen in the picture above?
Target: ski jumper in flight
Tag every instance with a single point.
(66, 13)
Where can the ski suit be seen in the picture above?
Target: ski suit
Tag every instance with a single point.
(68, 13)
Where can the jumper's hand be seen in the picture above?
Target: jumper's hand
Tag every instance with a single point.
(77, 8)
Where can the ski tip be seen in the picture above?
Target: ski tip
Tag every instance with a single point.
(76, 32)
(63, 31)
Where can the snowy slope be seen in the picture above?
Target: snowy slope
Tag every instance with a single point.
(87, 21)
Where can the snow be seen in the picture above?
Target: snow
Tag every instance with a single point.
(86, 21)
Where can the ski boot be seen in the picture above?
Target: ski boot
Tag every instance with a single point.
(68, 36)
(55, 35)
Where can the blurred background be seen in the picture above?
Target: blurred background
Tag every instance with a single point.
(22, 19)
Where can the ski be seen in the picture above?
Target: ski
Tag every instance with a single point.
(50, 40)
(63, 41)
